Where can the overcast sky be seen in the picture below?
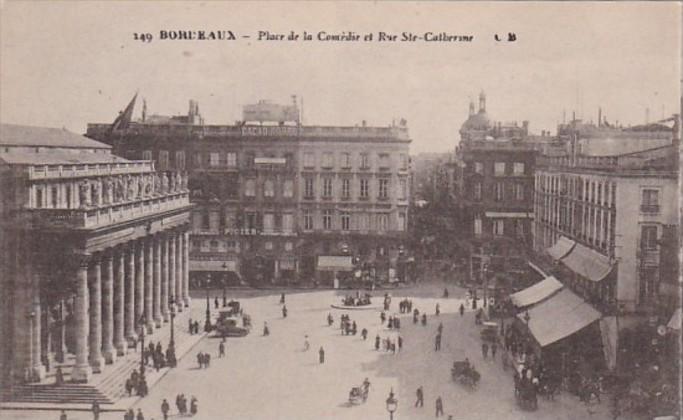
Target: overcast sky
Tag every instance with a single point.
(68, 64)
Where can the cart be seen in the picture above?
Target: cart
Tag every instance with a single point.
(464, 373)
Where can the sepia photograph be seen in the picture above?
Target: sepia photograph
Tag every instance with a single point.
(350, 210)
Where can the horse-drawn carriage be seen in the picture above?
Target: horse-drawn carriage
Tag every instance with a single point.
(464, 373)
(525, 394)
(228, 322)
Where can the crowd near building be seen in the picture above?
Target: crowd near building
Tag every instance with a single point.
(93, 247)
(279, 202)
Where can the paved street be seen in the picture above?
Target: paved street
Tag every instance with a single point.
(273, 378)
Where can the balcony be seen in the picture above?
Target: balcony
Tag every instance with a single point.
(98, 217)
(38, 172)
(649, 208)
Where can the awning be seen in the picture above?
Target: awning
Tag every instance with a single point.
(559, 316)
(212, 265)
(335, 263)
(536, 293)
(561, 248)
(588, 263)
(675, 321)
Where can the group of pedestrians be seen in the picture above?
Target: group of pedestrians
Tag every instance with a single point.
(347, 326)
(136, 383)
(193, 326)
(420, 402)
(405, 306)
(485, 350)
(388, 344)
(130, 415)
(203, 359)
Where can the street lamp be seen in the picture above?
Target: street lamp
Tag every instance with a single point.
(29, 372)
(225, 280)
(485, 269)
(207, 322)
(171, 345)
(392, 404)
(142, 345)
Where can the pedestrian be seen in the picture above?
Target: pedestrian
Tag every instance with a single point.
(321, 354)
(221, 348)
(392, 345)
(445, 292)
(165, 408)
(266, 331)
(420, 397)
(200, 359)
(330, 320)
(377, 339)
(196, 327)
(364, 333)
(59, 377)
(354, 328)
(193, 405)
(215, 302)
(415, 317)
(307, 345)
(95, 410)
(424, 320)
(63, 415)
(207, 360)
(397, 323)
(382, 317)
(284, 311)
(484, 350)
(400, 343)
(282, 299)
(437, 310)
(140, 416)
(437, 342)
(130, 415)
(494, 348)
(440, 327)
(129, 386)
(439, 406)
(190, 326)
(462, 309)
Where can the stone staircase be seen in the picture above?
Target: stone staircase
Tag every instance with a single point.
(108, 386)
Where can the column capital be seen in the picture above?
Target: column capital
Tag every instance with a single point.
(80, 259)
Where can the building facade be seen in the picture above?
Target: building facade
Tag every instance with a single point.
(283, 203)
(94, 247)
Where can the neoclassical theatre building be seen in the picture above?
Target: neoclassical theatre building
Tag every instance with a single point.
(93, 248)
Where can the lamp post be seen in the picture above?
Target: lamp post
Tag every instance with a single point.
(29, 372)
(484, 273)
(171, 345)
(142, 345)
(207, 322)
(225, 280)
(392, 404)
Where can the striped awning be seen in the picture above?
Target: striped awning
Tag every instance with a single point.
(335, 263)
(559, 316)
(536, 293)
(587, 263)
(561, 248)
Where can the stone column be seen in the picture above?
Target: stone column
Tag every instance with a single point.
(129, 311)
(81, 371)
(171, 267)
(119, 303)
(37, 367)
(139, 282)
(95, 337)
(60, 343)
(108, 310)
(186, 267)
(164, 278)
(179, 289)
(156, 304)
(149, 285)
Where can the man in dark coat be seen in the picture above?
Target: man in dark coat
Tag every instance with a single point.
(321, 354)
(462, 309)
(165, 408)
(377, 340)
(420, 397)
(437, 342)
(439, 406)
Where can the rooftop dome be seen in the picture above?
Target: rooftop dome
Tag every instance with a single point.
(478, 121)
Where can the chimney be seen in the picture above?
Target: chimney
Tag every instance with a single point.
(599, 116)
(482, 102)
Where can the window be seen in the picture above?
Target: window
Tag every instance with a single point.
(214, 245)
(327, 219)
(196, 245)
(249, 159)
(345, 221)
(402, 188)
(309, 160)
(250, 188)
(346, 160)
(498, 227)
(383, 188)
(478, 168)
(55, 199)
(180, 160)
(146, 155)
(402, 221)
(214, 159)
(268, 222)
(650, 201)
(648, 237)
(498, 191)
(269, 188)
(287, 222)
(519, 191)
(364, 188)
(364, 161)
(363, 221)
(346, 188)
(404, 161)
(231, 159)
(518, 168)
(288, 188)
(268, 246)
(309, 188)
(198, 159)
(328, 160)
(327, 187)
(67, 197)
(308, 220)
(477, 226)
(163, 160)
(230, 244)
(214, 221)
(230, 220)
(499, 168)
(382, 222)
(206, 222)
(477, 191)
(384, 161)
(289, 246)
